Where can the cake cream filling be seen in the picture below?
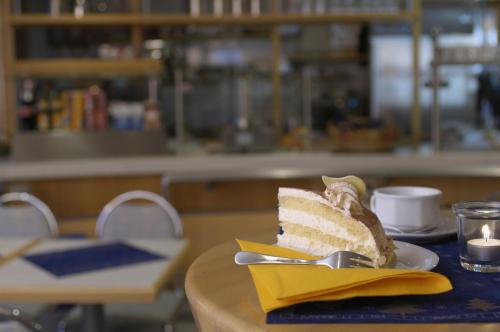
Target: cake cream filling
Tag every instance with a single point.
(316, 222)
(300, 243)
(319, 248)
(318, 243)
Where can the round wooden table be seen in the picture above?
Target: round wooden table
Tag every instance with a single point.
(223, 298)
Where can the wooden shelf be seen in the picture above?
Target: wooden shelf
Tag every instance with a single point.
(327, 57)
(86, 67)
(181, 19)
(136, 21)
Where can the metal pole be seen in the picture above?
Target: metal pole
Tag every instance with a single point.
(243, 107)
(307, 105)
(276, 78)
(435, 113)
(179, 109)
(416, 114)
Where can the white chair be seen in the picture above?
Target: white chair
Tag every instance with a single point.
(155, 217)
(24, 215)
(121, 218)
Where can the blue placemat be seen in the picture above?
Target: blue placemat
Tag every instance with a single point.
(79, 260)
(475, 298)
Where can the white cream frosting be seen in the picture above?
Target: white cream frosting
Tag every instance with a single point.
(345, 196)
(306, 245)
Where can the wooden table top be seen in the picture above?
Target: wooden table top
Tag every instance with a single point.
(223, 298)
(12, 247)
(22, 281)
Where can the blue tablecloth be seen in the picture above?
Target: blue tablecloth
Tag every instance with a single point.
(97, 257)
(475, 298)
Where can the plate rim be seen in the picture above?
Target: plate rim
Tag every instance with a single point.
(432, 253)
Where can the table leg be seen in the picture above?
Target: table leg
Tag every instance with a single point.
(93, 318)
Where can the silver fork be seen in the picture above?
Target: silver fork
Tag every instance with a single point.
(337, 260)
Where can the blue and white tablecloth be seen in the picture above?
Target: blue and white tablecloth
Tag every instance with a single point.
(91, 258)
(475, 298)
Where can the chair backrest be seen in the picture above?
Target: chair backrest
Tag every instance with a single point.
(30, 218)
(121, 218)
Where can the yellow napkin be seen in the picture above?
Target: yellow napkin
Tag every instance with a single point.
(283, 285)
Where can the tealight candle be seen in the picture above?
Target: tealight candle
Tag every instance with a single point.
(485, 249)
(478, 226)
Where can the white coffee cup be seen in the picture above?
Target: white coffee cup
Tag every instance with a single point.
(407, 208)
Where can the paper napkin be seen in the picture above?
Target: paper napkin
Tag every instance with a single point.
(283, 285)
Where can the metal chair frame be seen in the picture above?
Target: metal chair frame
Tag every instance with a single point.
(36, 203)
(102, 219)
(16, 316)
(170, 211)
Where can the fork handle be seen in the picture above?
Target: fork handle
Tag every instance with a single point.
(248, 257)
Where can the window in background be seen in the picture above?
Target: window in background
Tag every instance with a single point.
(460, 25)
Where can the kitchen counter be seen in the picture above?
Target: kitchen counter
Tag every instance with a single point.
(259, 166)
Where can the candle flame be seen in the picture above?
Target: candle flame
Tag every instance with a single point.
(486, 232)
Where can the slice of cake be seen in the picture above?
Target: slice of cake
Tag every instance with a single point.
(320, 223)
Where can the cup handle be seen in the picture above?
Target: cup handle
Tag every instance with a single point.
(373, 206)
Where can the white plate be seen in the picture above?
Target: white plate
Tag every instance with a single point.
(446, 228)
(413, 257)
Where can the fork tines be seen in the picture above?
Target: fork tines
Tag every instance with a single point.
(357, 260)
(360, 263)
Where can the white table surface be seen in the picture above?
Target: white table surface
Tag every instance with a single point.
(23, 281)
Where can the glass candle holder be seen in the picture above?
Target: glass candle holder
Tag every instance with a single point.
(479, 235)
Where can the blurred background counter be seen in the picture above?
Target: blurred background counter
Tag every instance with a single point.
(259, 166)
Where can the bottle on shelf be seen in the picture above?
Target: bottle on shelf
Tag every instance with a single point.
(65, 109)
(152, 119)
(101, 110)
(27, 105)
(194, 7)
(56, 109)
(81, 7)
(43, 108)
(96, 115)
(255, 7)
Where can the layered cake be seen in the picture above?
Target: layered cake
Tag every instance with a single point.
(320, 223)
